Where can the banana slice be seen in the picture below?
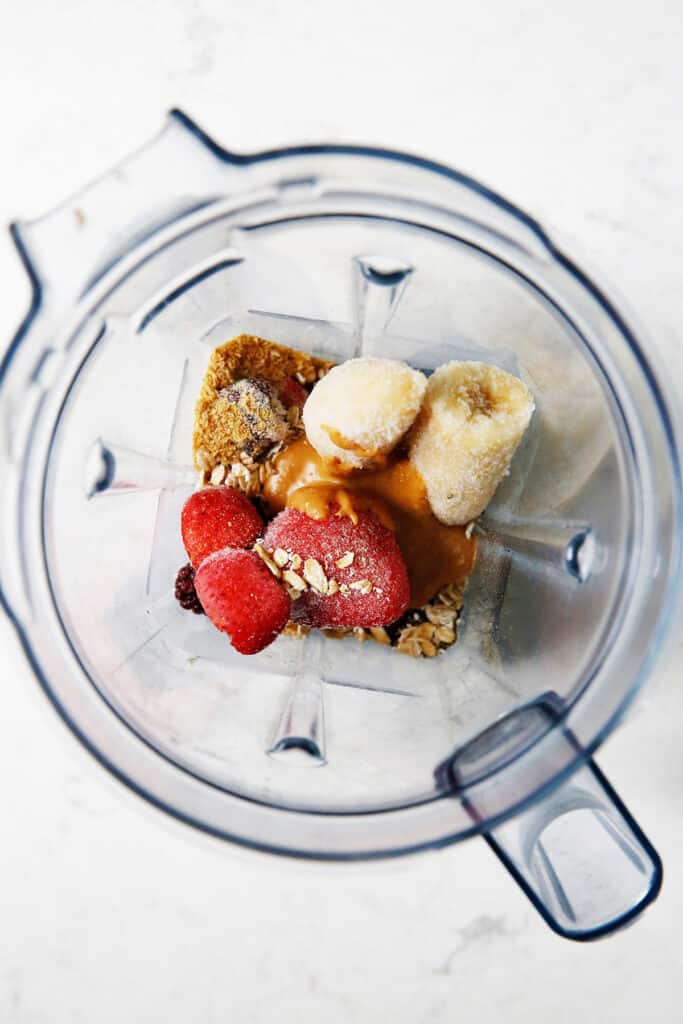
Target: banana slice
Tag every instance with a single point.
(361, 409)
(472, 420)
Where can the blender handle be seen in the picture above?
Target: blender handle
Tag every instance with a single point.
(580, 857)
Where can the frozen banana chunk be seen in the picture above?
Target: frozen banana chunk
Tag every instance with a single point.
(361, 409)
(472, 420)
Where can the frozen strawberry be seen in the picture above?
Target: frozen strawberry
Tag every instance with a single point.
(292, 393)
(354, 574)
(215, 518)
(242, 598)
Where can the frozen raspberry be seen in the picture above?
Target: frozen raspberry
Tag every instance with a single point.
(292, 393)
(242, 598)
(185, 593)
(356, 574)
(215, 518)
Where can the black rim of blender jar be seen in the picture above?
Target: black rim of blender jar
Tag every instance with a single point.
(665, 419)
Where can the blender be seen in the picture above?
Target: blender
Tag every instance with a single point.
(323, 748)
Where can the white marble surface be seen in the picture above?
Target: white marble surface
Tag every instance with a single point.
(110, 912)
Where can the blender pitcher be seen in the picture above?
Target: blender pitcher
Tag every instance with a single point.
(325, 748)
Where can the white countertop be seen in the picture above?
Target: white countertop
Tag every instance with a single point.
(110, 912)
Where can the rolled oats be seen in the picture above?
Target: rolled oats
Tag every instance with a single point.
(218, 474)
(294, 580)
(440, 615)
(450, 595)
(280, 557)
(202, 460)
(296, 629)
(409, 646)
(364, 586)
(313, 574)
(267, 560)
(293, 415)
(444, 635)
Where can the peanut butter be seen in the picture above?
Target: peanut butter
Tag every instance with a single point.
(336, 437)
(435, 554)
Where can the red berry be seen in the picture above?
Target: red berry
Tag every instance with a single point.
(215, 518)
(242, 598)
(382, 591)
(292, 393)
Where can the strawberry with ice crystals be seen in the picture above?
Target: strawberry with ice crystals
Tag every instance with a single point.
(354, 575)
(242, 598)
(292, 393)
(215, 518)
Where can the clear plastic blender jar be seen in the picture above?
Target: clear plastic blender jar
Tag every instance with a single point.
(322, 748)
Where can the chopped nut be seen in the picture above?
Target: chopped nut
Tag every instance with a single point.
(265, 557)
(294, 580)
(346, 559)
(296, 561)
(365, 586)
(280, 557)
(313, 574)
(332, 587)
(380, 635)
